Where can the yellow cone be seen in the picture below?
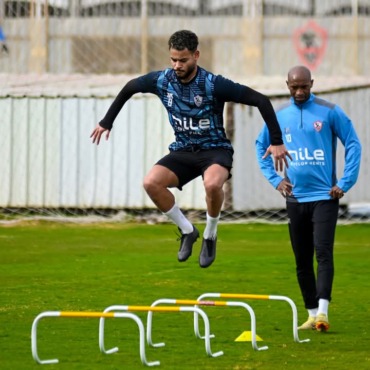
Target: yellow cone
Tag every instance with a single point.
(246, 336)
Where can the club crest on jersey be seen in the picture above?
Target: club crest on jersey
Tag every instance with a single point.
(198, 100)
(317, 125)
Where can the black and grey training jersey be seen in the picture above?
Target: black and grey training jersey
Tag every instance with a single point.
(195, 109)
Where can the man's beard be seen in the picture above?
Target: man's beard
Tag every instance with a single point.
(185, 75)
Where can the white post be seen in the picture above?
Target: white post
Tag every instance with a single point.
(355, 35)
(144, 36)
(38, 34)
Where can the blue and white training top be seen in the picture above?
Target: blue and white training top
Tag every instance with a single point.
(310, 131)
(195, 109)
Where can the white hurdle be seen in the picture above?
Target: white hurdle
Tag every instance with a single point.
(195, 310)
(187, 306)
(197, 303)
(87, 315)
(258, 297)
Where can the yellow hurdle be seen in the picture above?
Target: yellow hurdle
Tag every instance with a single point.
(195, 303)
(72, 314)
(186, 305)
(151, 309)
(104, 315)
(85, 314)
(254, 296)
(243, 296)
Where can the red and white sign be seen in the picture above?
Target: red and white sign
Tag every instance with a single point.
(310, 42)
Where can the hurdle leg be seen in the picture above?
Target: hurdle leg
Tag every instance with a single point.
(149, 323)
(207, 330)
(253, 324)
(141, 337)
(102, 329)
(196, 316)
(295, 317)
(34, 337)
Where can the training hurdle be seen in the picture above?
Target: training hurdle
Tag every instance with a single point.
(197, 303)
(258, 297)
(88, 315)
(194, 303)
(195, 310)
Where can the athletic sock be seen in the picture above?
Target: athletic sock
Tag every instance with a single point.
(312, 312)
(323, 306)
(210, 232)
(179, 219)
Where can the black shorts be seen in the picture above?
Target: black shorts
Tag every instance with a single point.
(188, 165)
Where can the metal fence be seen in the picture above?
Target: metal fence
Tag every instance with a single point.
(132, 8)
(241, 37)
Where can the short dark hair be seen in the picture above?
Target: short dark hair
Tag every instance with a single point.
(183, 39)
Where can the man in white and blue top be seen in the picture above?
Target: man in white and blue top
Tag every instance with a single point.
(194, 99)
(311, 127)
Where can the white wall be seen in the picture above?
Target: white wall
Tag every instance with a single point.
(48, 159)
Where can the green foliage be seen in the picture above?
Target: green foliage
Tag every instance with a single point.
(63, 267)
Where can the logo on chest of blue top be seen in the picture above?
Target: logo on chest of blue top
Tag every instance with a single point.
(198, 100)
(317, 125)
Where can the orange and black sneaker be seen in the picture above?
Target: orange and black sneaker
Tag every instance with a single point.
(322, 322)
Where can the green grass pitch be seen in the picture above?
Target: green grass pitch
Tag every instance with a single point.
(51, 266)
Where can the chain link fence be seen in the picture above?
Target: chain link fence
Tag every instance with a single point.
(100, 36)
